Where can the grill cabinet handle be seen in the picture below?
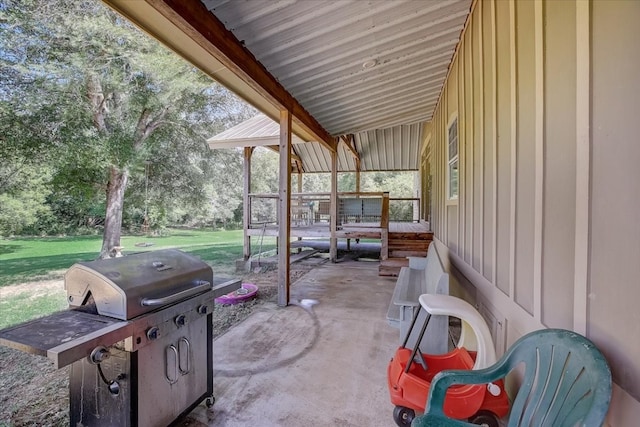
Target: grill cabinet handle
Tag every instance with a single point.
(184, 353)
(201, 286)
(171, 362)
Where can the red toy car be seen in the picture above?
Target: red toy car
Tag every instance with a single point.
(410, 372)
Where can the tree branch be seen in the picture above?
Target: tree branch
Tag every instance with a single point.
(96, 99)
(147, 126)
(138, 136)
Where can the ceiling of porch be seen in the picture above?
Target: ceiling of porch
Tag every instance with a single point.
(354, 65)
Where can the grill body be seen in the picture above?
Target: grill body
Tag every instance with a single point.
(138, 337)
(159, 379)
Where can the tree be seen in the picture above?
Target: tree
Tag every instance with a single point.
(24, 141)
(116, 100)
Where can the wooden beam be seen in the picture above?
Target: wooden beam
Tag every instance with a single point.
(284, 212)
(296, 157)
(353, 142)
(300, 183)
(350, 142)
(193, 18)
(300, 201)
(384, 225)
(333, 209)
(276, 149)
(246, 202)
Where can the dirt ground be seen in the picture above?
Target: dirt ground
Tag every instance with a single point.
(34, 393)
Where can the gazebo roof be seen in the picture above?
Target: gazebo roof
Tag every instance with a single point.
(392, 149)
(259, 130)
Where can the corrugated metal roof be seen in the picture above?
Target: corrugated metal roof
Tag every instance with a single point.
(317, 50)
(258, 126)
(391, 149)
(259, 130)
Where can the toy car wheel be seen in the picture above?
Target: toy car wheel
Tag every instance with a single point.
(210, 401)
(485, 418)
(403, 416)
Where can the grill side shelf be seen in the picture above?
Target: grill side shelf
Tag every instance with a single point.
(65, 336)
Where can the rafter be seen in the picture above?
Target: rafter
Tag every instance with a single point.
(276, 149)
(299, 166)
(349, 141)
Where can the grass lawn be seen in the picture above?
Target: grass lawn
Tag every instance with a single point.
(36, 259)
(29, 259)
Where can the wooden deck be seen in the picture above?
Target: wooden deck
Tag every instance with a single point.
(403, 239)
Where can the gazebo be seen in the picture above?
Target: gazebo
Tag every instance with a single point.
(358, 214)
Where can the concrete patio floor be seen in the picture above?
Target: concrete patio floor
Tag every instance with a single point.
(309, 365)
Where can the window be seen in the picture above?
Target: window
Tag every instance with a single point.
(453, 160)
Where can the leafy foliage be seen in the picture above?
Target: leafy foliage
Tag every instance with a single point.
(89, 98)
(22, 206)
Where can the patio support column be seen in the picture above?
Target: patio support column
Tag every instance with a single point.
(284, 211)
(384, 225)
(333, 242)
(300, 201)
(246, 202)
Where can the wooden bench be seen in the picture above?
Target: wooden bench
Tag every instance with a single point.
(423, 276)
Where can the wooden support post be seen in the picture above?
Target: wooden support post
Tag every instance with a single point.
(417, 188)
(384, 224)
(284, 214)
(333, 242)
(357, 157)
(300, 201)
(246, 202)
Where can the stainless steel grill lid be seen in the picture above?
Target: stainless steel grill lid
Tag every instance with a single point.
(127, 287)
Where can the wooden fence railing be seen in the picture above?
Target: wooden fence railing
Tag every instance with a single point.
(374, 209)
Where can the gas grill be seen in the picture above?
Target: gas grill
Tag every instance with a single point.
(138, 337)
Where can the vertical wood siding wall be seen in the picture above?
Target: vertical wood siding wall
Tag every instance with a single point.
(546, 223)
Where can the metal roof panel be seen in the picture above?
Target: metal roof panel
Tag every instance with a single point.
(317, 51)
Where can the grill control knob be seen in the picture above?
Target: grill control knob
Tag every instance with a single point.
(180, 320)
(153, 333)
(114, 388)
(203, 309)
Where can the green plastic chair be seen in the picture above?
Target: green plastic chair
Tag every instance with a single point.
(566, 383)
